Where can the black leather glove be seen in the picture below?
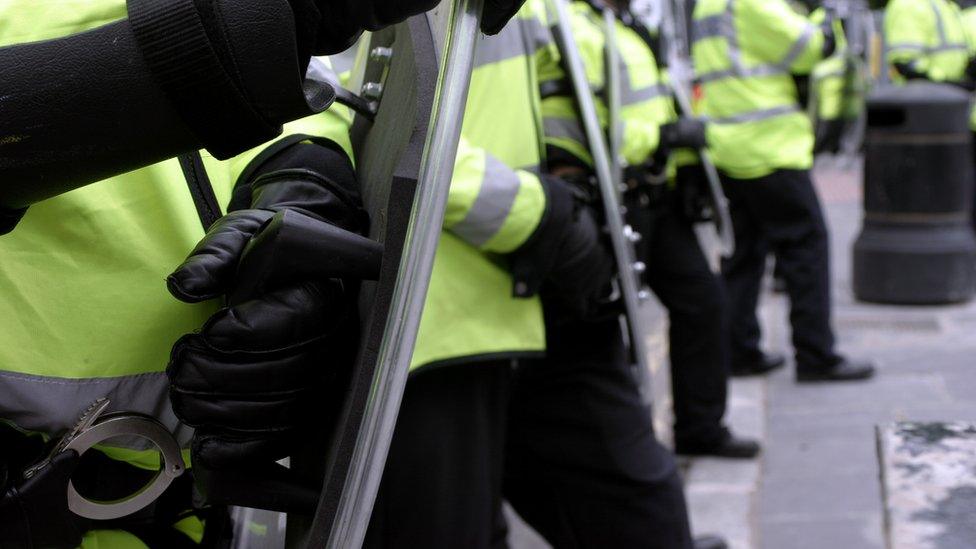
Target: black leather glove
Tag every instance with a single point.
(567, 259)
(687, 133)
(253, 378)
(497, 14)
(331, 26)
(34, 512)
(909, 71)
(830, 36)
(326, 27)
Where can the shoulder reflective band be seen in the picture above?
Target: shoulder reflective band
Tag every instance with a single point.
(723, 26)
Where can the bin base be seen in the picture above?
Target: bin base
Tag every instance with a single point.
(916, 265)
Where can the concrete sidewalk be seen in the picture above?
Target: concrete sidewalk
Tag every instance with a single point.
(817, 484)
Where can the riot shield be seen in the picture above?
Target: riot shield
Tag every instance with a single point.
(629, 270)
(675, 28)
(423, 70)
(412, 83)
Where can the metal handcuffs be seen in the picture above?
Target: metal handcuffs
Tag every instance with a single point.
(95, 428)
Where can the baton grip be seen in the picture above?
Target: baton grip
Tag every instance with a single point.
(293, 247)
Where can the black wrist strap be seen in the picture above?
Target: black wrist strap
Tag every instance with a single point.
(175, 45)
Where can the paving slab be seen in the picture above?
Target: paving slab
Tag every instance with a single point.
(820, 477)
(929, 478)
(862, 532)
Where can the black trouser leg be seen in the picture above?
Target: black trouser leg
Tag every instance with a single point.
(679, 274)
(443, 477)
(743, 274)
(582, 465)
(785, 208)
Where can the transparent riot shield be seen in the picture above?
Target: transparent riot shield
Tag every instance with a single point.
(422, 103)
(607, 172)
(675, 29)
(411, 85)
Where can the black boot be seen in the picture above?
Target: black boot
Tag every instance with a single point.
(728, 446)
(761, 365)
(710, 542)
(845, 370)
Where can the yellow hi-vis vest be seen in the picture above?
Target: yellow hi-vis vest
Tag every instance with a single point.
(84, 309)
(932, 37)
(645, 97)
(496, 203)
(745, 52)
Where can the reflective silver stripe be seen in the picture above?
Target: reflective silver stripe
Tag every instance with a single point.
(939, 24)
(798, 47)
(927, 49)
(755, 72)
(631, 96)
(537, 34)
(940, 29)
(494, 203)
(515, 40)
(755, 116)
(564, 128)
(51, 405)
(735, 56)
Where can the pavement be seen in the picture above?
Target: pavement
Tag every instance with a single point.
(817, 484)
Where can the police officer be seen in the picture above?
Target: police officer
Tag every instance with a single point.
(745, 54)
(161, 79)
(676, 267)
(85, 313)
(928, 41)
(508, 233)
(584, 467)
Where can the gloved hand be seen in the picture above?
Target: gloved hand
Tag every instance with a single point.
(331, 26)
(253, 378)
(326, 27)
(684, 133)
(497, 13)
(567, 259)
(830, 35)
(34, 512)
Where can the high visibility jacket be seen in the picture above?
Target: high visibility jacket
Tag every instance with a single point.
(496, 203)
(645, 97)
(745, 53)
(969, 23)
(931, 37)
(829, 79)
(928, 35)
(84, 309)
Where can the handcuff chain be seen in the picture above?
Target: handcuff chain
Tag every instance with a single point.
(85, 421)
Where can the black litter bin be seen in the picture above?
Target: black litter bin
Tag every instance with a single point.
(917, 245)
